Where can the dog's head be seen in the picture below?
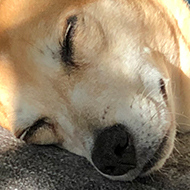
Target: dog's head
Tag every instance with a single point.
(92, 77)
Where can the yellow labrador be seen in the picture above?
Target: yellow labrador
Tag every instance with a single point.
(105, 79)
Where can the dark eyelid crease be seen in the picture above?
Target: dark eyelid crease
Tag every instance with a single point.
(68, 28)
(67, 44)
(71, 21)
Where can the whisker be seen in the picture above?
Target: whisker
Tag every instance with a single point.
(151, 92)
(138, 92)
(175, 148)
(185, 124)
(153, 116)
(152, 178)
(145, 89)
(161, 104)
(180, 114)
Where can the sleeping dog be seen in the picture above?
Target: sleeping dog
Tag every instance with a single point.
(104, 79)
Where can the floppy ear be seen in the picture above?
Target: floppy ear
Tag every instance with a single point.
(41, 132)
(41, 136)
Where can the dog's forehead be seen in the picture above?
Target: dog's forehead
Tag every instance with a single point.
(22, 10)
(37, 19)
(15, 14)
(30, 22)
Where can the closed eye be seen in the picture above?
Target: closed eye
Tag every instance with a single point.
(163, 89)
(67, 49)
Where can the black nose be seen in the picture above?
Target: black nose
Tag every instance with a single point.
(114, 151)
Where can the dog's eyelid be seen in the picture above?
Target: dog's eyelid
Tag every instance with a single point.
(68, 29)
(163, 88)
(67, 44)
(71, 21)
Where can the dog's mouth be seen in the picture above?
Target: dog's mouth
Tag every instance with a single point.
(118, 157)
(156, 158)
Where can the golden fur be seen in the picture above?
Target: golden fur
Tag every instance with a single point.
(122, 49)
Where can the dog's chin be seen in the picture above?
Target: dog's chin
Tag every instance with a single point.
(130, 176)
(154, 164)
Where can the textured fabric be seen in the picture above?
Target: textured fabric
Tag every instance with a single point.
(31, 167)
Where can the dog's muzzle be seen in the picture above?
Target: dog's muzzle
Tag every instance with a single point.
(114, 151)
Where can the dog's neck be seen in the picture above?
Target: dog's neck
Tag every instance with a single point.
(180, 73)
(181, 88)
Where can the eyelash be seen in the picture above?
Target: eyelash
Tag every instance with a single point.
(67, 45)
(163, 89)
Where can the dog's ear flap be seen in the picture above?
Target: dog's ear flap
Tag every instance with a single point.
(42, 136)
(41, 132)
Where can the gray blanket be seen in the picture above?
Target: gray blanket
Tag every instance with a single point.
(32, 167)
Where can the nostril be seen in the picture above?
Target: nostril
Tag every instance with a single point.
(109, 169)
(120, 148)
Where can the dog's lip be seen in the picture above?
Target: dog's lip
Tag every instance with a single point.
(150, 164)
(156, 157)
